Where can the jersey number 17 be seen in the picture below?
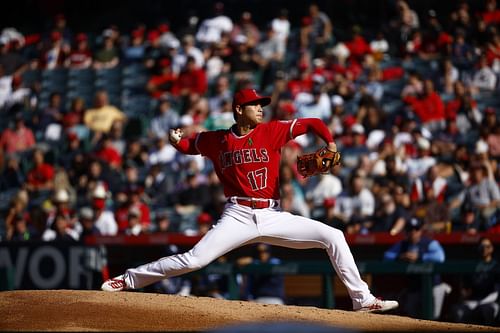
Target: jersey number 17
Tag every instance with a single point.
(258, 179)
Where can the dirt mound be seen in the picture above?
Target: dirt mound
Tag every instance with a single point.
(70, 310)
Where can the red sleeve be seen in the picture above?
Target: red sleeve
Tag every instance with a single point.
(201, 82)
(439, 105)
(409, 99)
(31, 139)
(451, 108)
(31, 178)
(315, 125)
(145, 217)
(188, 145)
(3, 140)
(49, 172)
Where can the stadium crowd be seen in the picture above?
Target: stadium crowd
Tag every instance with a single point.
(414, 109)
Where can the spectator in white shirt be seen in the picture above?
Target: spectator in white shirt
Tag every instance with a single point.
(5, 86)
(484, 78)
(320, 189)
(167, 119)
(211, 29)
(104, 219)
(419, 165)
(188, 49)
(281, 27)
(354, 205)
(163, 152)
(379, 46)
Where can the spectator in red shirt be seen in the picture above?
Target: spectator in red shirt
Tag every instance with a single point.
(192, 79)
(491, 14)
(135, 202)
(75, 114)
(18, 139)
(108, 153)
(163, 81)
(358, 47)
(41, 177)
(493, 51)
(81, 56)
(302, 82)
(428, 107)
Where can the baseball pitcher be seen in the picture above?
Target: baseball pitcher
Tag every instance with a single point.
(246, 157)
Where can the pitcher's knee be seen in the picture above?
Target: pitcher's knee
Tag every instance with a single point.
(336, 235)
(331, 237)
(194, 262)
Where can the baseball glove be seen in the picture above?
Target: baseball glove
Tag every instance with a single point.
(321, 161)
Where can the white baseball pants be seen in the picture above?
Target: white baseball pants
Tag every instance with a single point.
(241, 225)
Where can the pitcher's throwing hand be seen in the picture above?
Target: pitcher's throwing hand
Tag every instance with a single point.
(175, 136)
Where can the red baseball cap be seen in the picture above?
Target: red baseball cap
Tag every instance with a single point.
(55, 35)
(153, 35)
(246, 96)
(81, 37)
(204, 218)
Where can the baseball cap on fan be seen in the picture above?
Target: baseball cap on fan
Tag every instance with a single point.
(414, 224)
(246, 96)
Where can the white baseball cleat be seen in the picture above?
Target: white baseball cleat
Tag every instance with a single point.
(378, 305)
(114, 284)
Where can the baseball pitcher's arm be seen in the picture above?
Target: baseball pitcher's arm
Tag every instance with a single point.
(315, 125)
(184, 145)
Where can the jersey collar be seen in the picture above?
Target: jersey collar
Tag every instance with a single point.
(233, 132)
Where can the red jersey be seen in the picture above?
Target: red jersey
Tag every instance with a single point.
(248, 165)
(40, 175)
(79, 58)
(428, 108)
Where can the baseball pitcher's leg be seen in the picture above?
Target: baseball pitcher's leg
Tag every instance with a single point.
(235, 228)
(285, 229)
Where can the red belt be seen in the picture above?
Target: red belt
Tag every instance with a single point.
(256, 203)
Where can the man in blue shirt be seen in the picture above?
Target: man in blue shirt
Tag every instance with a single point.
(264, 288)
(417, 248)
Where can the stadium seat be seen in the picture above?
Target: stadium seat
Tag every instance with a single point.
(139, 105)
(86, 74)
(133, 70)
(30, 77)
(111, 73)
(393, 107)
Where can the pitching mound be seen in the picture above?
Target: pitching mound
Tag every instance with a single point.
(69, 310)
